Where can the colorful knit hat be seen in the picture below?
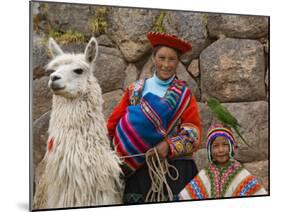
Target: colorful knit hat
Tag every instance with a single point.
(217, 130)
(157, 38)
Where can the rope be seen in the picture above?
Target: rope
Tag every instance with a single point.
(131, 156)
(157, 170)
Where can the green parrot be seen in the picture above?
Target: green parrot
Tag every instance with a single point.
(225, 116)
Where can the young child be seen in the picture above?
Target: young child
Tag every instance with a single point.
(224, 176)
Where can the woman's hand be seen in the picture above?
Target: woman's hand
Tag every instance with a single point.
(162, 149)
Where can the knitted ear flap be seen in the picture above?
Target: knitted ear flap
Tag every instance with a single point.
(209, 154)
(231, 153)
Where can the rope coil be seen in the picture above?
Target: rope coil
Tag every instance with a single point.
(157, 170)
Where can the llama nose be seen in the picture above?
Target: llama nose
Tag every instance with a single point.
(54, 78)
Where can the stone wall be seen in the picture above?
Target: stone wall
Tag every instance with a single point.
(229, 61)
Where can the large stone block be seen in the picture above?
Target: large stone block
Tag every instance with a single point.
(128, 28)
(183, 74)
(238, 26)
(193, 68)
(191, 27)
(39, 56)
(233, 70)
(41, 97)
(110, 69)
(111, 99)
(254, 120)
(131, 75)
(40, 137)
(74, 17)
(201, 158)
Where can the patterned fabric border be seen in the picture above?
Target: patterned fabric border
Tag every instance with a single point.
(152, 115)
(247, 187)
(136, 91)
(196, 189)
(221, 178)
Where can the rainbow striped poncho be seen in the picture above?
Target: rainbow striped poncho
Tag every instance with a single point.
(215, 182)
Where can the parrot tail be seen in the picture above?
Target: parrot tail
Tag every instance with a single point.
(239, 134)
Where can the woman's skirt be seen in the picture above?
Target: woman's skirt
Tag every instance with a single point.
(138, 184)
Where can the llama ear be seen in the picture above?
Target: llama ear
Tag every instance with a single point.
(54, 48)
(91, 50)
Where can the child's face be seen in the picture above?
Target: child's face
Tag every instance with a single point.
(220, 150)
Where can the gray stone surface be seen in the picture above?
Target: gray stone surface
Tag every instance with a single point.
(39, 56)
(64, 17)
(147, 70)
(191, 27)
(110, 69)
(232, 70)
(238, 26)
(75, 48)
(266, 79)
(40, 137)
(131, 75)
(41, 98)
(191, 83)
(128, 28)
(193, 68)
(254, 120)
(266, 46)
(111, 99)
(104, 40)
(201, 158)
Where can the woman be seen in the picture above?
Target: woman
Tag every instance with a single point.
(224, 176)
(161, 113)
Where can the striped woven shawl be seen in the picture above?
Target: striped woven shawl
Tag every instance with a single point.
(146, 124)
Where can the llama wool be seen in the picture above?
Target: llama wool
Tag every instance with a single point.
(80, 168)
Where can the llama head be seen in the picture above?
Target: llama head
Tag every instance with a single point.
(70, 74)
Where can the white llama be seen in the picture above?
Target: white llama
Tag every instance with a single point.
(80, 167)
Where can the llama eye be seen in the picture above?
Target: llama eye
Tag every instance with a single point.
(78, 71)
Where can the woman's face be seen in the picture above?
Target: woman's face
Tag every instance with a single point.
(166, 62)
(220, 150)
